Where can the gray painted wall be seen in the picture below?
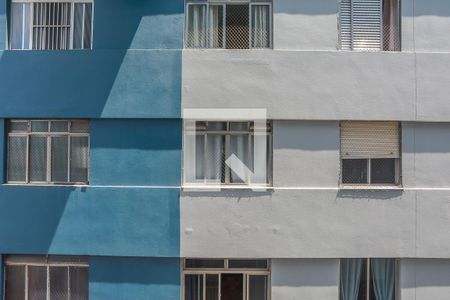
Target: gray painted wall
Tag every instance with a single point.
(307, 216)
(305, 77)
(305, 279)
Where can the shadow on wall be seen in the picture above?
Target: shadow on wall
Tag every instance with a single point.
(367, 195)
(438, 8)
(30, 223)
(109, 80)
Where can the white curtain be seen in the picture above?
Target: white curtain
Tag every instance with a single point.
(240, 148)
(215, 26)
(383, 276)
(215, 158)
(260, 27)
(196, 34)
(350, 278)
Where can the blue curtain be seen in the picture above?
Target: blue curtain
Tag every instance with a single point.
(350, 278)
(383, 276)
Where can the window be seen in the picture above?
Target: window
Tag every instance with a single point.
(45, 277)
(59, 25)
(370, 153)
(368, 279)
(226, 279)
(370, 25)
(42, 151)
(215, 24)
(209, 147)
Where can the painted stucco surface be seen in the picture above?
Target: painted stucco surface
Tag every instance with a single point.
(294, 279)
(122, 278)
(133, 71)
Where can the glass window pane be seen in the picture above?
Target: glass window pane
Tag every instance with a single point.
(257, 288)
(193, 287)
(217, 126)
(78, 26)
(18, 126)
(239, 126)
(39, 126)
(59, 126)
(38, 158)
(59, 283)
(354, 171)
(237, 28)
(216, 29)
(196, 26)
(79, 280)
(15, 283)
(87, 26)
(240, 147)
(79, 126)
(37, 283)
(260, 26)
(205, 263)
(382, 171)
(79, 159)
(232, 286)
(200, 157)
(212, 287)
(17, 155)
(247, 264)
(60, 158)
(215, 158)
(17, 34)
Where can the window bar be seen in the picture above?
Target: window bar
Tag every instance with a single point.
(204, 285)
(27, 160)
(26, 281)
(368, 279)
(205, 155)
(48, 282)
(49, 159)
(69, 153)
(68, 284)
(82, 25)
(250, 26)
(224, 42)
(369, 171)
(227, 155)
(72, 17)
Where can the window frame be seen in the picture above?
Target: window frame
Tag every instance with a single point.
(48, 135)
(382, 18)
(224, 4)
(398, 166)
(397, 289)
(71, 31)
(27, 261)
(227, 144)
(245, 272)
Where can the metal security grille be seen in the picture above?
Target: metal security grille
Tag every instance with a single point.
(44, 151)
(51, 25)
(370, 152)
(369, 25)
(215, 24)
(47, 278)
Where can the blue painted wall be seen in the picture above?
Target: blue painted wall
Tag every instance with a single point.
(134, 218)
(134, 70)
(136, 152)
(134, 278)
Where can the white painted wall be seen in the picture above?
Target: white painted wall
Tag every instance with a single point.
(305, 279)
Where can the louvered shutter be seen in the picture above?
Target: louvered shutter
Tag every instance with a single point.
(370, 140)
(361, 24)
(345, 24)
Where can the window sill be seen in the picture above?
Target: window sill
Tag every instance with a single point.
(372, 187)
(225, 187)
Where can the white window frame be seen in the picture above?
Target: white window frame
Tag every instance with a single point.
(224, 4)
(72, 9)
(83, 263)
(49, 136)
(227, 133)
(246, 272)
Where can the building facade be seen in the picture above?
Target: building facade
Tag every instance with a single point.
(232, 150)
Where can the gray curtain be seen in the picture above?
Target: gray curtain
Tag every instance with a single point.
(383, 276)
(350, 278)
